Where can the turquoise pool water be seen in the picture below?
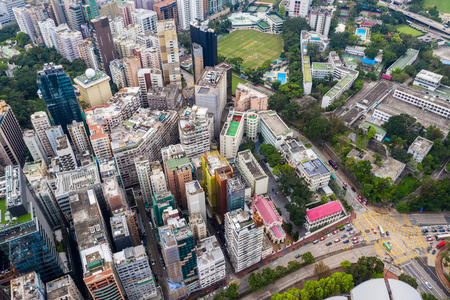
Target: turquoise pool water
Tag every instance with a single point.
(361, 32)
(281, 78)
(271, 74)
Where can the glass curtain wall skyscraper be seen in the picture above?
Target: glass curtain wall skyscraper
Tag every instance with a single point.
(59, 95)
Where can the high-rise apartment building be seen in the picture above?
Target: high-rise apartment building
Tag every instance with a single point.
(253, 173)
(166, 9)
(196, 200)
(76, 15)
(79, 137)
(148, 78)
(52, 134)
(27, 18)
(135, 274)
(210, 163)
(63, 288)
(211, 92)
(163, 98)
(90, 10)
(143, 171)
(204, 36)
(231, 134)
(168, 45)
(34, 145)
(237, 189)
(58, 10)
(65, 154)
(95, 252)
(215, 6)
(40, 255)
(12, 145)
(86, 49)
(104, 42)
(28, 287)
(298, 8)
(41, 123)
(320, 20)
(188, 254)
(150, 58)
(125, 10)
(131, 65)
(59, 95)
(7, 8)
(94, 87)
(244, 239)
(189, 11)
(248, 97)
(44, 28)
(226, 67)
(198, 225)
(146, 18)
(157, 130)
(55, 31)
(197, 60)
(210, 261)
(196, 130)
(68, 44)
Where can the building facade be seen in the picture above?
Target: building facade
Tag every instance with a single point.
(168, 44)
(12, 145)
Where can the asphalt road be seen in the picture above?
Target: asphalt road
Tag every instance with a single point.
(152, 248)
(423, 274)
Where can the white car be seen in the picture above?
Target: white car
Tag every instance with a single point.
(428, 285)
(330, 234)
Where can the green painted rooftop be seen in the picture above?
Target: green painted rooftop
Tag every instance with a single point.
(322, 66)
(233, 128)
(378, 129)
(174, 163)
(402, 61)
(3, 211)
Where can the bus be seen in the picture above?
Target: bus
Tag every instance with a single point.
(387, 246)
(381, 230)
(440, 237)
(333, 164)
(440, 245)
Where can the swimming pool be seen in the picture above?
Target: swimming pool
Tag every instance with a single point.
(281, 78)
(271, 74)
(361, 32)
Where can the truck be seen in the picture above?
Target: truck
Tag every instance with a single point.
(440, 245)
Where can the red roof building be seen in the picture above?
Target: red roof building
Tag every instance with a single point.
(324, 214)
(271, 218)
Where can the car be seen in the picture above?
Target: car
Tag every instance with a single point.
(360, 197)
(330, 234)
(336, 231)
(344, 236)
(353, 189)
(298, 256)
(440, 227)
(153, 262)
(374, 232)
(337, 240)
(351, 232)
(429, 239)
(365, 202)
(355, 242)
(434, 252)
(322, 238)
(345, 184)
(355, 238)
(328, 244)
(434, 230)
(342, 229)
(350, 229)
(315, 241)
(346, 241)
(425, 230)
(441, 230)
(448, 229)
(387, 233)
(428, 285)
(164, 268)
(344, 187)
(349, 225)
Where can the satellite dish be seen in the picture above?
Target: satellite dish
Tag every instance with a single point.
(90, 73)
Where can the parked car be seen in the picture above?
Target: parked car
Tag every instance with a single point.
(351, 232)
(387, 233)
(355, 242)
(344, 236)
(330, 234)
(337, 240)
(344, 187)
(441, 230)
(298, 256)
(342, 229)
(434, 230)
(429, 239)
(355, 238)
(153, 262)
(336, 231)
(425, 230)
(346, 241)
(345, 184)
(315, 241)
(434, 252)
(360, 197)
(328, 244)
(353, 189)
(350, 229)
(322, 238)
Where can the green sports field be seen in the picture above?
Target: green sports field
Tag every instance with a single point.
(253, 46)
(443, 6)
(409, 30)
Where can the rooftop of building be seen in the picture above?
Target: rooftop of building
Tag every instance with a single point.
(291, 147)
(423, 95)
(192, 117)
(208, 252)
(6, 219)
(59, 287)
(306, 69)
(324, 210)
(239, 219)
(374, 94)
(236, 183)
(173, 151)
(390, 167)
(142, 124)
(322, 66)
(90, 78)
(252, 164)
(129, 255)
(63, 143)
(401, 63)
(215, 161)
(379, 289)
(339, 86)
(177, 163)
(193, 187)
(421, 145)
(429, 76)
(210, 77)
(240, 18)
(350, 61)
(119, 226)
(274, 122)
(27, 287)
(167, 237)
(169, 91)
(75, 180)
(275, 16)
(88, 220)
(310, 163)
(379, 130)
(266, 210)
(234, 125)
(306, 35)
